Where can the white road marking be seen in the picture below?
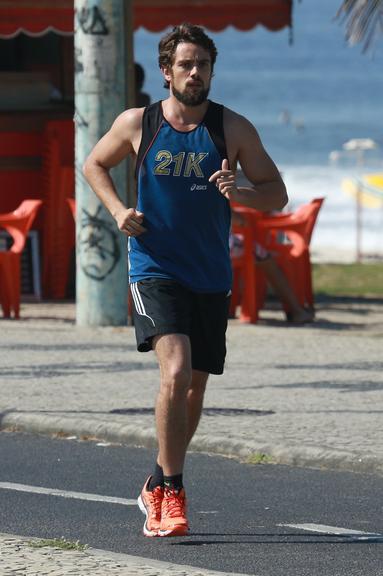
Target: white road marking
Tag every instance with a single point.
(321, 528)
(207, 511)
(67, 494)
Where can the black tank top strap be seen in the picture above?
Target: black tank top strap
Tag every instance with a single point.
(151, 121)
(214, 123)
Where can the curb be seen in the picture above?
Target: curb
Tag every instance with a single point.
(303, 456)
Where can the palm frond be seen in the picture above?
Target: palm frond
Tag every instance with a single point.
(363, 19)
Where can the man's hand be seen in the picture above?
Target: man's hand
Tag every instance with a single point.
(129, 221)
(225, 180)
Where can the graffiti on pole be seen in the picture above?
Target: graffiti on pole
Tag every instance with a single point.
(98, 246)
(95, 54)
(92, 21)
(79, 119)
(78, 65)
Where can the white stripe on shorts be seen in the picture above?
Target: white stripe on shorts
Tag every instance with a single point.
(137, 299)
(133, 288)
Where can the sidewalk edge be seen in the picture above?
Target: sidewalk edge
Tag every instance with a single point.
(303, 455)
(129, 559)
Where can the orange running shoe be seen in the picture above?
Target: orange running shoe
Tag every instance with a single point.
(173, 514)
(150, 505)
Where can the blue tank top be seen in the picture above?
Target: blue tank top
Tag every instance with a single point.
(186, 217)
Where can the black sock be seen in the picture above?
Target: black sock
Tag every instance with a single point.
(157, 479)
(173, 482)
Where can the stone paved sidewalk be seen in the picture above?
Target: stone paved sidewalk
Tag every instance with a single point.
(309, 395)
(19, 557)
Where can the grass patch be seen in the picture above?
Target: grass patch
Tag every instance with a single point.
(259, 458)
(358, 280)
(61, 543)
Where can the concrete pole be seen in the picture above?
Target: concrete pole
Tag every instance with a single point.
(99, 97)
(130, 90)
(359, 220)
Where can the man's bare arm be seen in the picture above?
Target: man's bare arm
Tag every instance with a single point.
(115, 146)
(268, 191)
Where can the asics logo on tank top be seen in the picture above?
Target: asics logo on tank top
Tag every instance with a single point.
(181, 164)
(198, 187)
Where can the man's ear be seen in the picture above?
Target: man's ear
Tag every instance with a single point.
(166, 73)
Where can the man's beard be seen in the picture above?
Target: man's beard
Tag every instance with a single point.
(191, 98)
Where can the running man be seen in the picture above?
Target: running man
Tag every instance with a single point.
(186, 150)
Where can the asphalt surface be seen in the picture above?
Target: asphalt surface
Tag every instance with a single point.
(238, 512)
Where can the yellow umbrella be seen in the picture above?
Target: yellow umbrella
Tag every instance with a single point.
(368, 191)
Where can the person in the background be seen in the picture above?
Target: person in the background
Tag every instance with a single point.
(142, 98)
(274, 275)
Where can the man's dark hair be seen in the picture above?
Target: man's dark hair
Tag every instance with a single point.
(184, 33)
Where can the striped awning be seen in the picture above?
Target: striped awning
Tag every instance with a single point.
(37, 17)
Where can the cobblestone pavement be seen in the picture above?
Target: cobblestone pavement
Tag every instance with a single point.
(309, 395)
(19, 557)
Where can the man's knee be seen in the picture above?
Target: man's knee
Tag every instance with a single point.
(176, 381)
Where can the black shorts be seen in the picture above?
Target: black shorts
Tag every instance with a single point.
(162, 306)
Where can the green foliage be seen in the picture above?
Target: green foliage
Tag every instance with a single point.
(259, 458)
(58, 543)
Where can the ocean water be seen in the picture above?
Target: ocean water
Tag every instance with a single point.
(306, 100)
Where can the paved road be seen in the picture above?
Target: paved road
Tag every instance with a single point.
(262, 520)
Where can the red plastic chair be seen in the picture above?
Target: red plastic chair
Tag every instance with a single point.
(17, 224)
(245, 280)
(58, 180)
(288, 237)
(72, 206)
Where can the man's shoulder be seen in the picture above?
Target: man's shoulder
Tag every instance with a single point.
(239, 131)
(131, 116)
(128, 124)
(236, 124)
(229, 116)
(232, 116)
